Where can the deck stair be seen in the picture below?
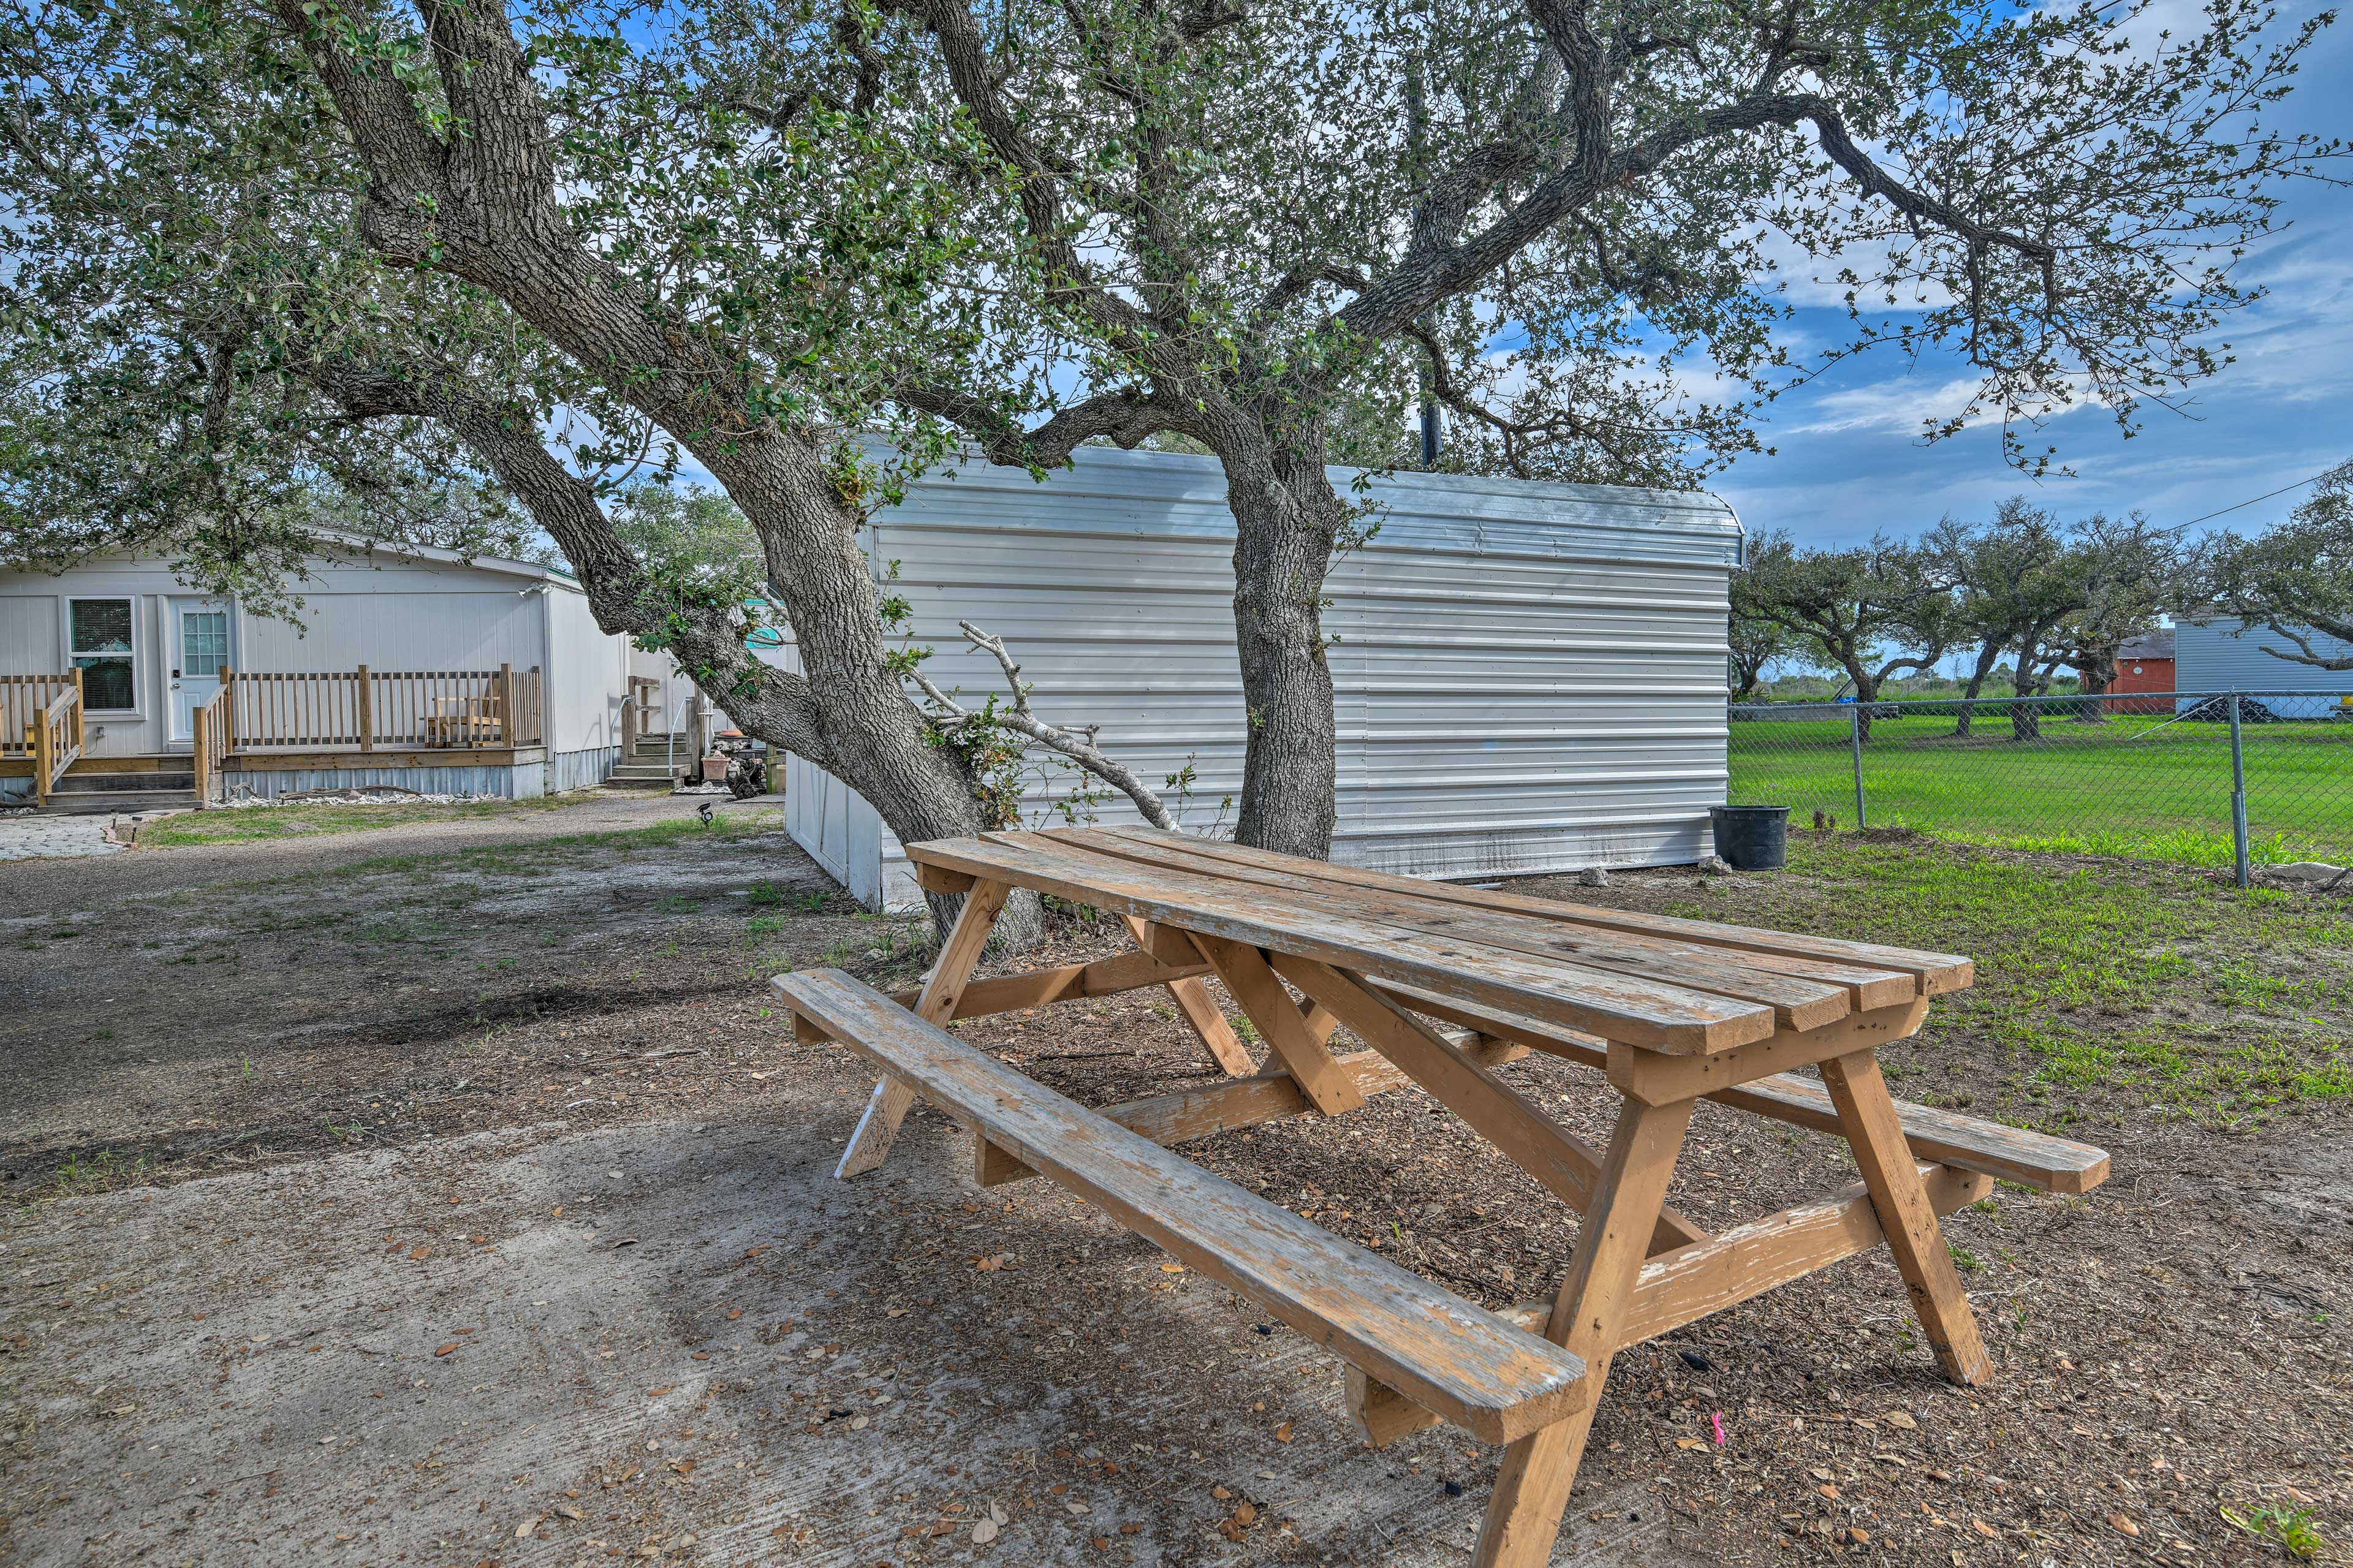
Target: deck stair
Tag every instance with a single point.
(125, 786)
(647, 764)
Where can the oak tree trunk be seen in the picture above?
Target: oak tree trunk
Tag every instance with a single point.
(1287, 521)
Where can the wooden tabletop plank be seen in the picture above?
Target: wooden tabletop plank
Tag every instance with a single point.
(1622, 1008)
(1494, 1380)
(1870, 986)
(1799, 1002)
(1935, 973)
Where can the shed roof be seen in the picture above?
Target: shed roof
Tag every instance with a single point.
(1173, 493)
(2157, 643)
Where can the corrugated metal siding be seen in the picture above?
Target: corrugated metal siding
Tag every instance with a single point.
(520, 782)
(1527, 677)
(2207, 658)
(579, 770)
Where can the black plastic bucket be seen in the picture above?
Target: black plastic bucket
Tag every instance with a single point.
(1752, 837)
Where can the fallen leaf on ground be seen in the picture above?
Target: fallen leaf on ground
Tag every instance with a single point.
(1987, 1531)
(2121, 1523)
(1282, 1433)
(445, 1350)
(1244, 1513)
(526, 1527)
(984, 1530)
(1898, 1418)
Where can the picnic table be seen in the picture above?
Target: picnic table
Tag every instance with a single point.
(1444, 983)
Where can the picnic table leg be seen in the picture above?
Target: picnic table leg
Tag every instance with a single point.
(1192, 999)
(1868, 1117)
(1533, 1484)
(1295, 1037)
(943, 988)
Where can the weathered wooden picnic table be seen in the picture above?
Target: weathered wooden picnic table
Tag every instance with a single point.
(1444, 983)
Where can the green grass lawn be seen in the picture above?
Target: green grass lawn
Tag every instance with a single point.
(2104, 990)
(2132, 785)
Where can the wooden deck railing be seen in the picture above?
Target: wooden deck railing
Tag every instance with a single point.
(433, 710)
(640, 711)
(212, 747)
(21, 696)
(53, 738)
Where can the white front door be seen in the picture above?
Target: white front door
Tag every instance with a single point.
(200, 633)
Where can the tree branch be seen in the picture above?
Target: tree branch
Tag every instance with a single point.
(1078, 746)
(1126, 416)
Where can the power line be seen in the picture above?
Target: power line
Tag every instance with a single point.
(2242, 505)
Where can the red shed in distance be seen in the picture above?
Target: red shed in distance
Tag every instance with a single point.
(2144, 664)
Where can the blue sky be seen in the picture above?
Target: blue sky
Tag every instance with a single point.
(1850, 461)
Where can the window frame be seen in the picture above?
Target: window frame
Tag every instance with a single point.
(136, 655)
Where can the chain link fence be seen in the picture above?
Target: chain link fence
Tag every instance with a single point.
(2215, 778)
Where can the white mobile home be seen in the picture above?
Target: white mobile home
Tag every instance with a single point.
(419, 668)
(1529, 676)
(2217, 654)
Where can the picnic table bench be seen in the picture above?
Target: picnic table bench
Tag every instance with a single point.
(1444, 983)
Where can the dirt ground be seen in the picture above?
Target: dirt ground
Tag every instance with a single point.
(451, 1193)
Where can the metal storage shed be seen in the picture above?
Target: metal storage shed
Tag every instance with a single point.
(1528, 676)
(2229, 656)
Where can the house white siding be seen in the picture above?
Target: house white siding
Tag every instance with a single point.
(587, 673)
(2208, 656)
(391, 612)
(1528, 676)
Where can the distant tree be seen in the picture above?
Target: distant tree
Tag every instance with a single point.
(2001, 573)
(1755, 642)
(695, 533)
(1872, 612)
(2294, 579)
(2126, 574)
(2055, 596)
(2112, 580)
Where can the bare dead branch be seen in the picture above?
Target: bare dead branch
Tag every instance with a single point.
(1076, 745)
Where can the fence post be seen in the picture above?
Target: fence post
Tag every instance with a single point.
(81, 703)
(367, 710)
(204, 757)
(228, 710)
(1854, 741)
(2238, 795)
(506, 706)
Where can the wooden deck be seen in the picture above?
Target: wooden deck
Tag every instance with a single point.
(294, 760)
